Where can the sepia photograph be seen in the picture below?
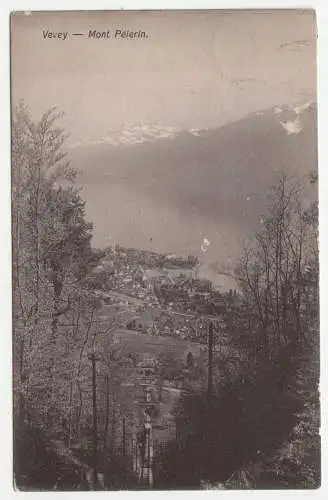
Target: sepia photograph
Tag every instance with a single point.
(165, 262)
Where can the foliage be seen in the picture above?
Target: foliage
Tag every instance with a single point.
(55, 321)
(279, 277)
(262, 427)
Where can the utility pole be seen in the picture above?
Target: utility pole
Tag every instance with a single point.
(93, 359)
(123, 438)
(147, 450)
(124, 451)
(210, 364)
(149, 437)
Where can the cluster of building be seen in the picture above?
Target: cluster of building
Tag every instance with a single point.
(172, 300)
(137, 272)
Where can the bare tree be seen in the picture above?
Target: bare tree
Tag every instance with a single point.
(272, 270)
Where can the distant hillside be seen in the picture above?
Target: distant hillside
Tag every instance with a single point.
(167, 195)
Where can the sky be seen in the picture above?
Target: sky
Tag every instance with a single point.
(195, 69)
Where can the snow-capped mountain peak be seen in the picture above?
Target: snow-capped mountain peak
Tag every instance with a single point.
(288, 117)
(292, 126)
(291, 118)
(131, 133)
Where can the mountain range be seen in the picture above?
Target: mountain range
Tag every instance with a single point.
(159, 188)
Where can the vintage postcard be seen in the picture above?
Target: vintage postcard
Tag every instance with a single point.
(165, 256)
